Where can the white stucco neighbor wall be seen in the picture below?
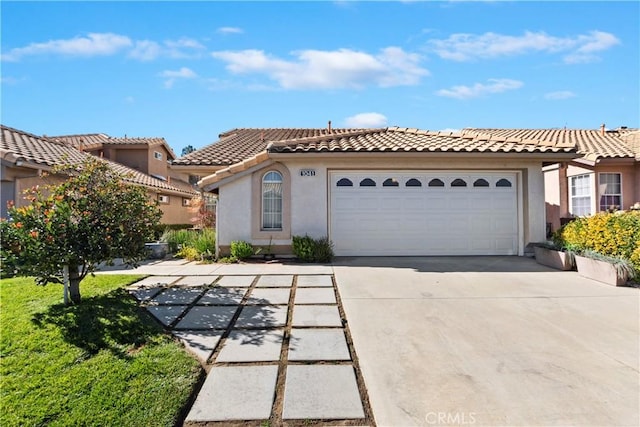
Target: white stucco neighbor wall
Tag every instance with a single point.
(309, 194)
(234, 211)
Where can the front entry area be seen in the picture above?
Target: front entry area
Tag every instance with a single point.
(391, 212)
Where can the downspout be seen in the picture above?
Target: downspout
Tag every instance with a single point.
(217, 249)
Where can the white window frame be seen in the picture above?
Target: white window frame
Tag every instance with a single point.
(590, 179)
(186, 202)
(602, 188)
(163, 198)
(157, 155)
(270, 211)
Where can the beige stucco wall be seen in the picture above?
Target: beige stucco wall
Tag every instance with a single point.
(135, 159)
(309, 195)
(173, 212)
(630, 174)
(552, 195)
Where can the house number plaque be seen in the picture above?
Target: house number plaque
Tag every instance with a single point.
(307, 172)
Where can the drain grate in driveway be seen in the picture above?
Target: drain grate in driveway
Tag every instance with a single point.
(277, 348)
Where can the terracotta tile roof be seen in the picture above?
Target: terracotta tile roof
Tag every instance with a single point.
(92, 141)
(389, 140)
(592, 144)
(238, 144)
(43, 152)
(413, 140)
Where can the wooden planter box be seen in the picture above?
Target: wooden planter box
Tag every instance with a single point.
(554, 259)
(601, 271)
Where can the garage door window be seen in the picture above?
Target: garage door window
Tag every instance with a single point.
(390, 182)
(481, 183)
(344, 182)
(435, 182)
(458, 183)
(413, 183)
(503, 183)
(272, 201)
(367, 182)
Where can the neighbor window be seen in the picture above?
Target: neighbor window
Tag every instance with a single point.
(610, 185)
(580, 195)
(272, 201)
(157, 155)
(163, 199)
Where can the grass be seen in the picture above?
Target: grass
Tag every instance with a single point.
(102, 362)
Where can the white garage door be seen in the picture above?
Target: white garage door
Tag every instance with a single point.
(423, 213)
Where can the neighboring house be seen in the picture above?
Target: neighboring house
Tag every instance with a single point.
(24, 157)
(147, 155)
(391, 191)
(604, 175)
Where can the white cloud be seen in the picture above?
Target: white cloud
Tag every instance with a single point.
(171, 76)
(105, 44)
(230, 30)
(147, 50)
(366, 120)
(480, 89)
(94, 44)
(466, 47)
(317, 69)
(559, 95)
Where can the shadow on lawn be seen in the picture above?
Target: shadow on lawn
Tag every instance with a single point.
(112, 322)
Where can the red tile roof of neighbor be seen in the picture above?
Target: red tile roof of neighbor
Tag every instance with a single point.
(92, 141)
(592, 144)
(45, 153)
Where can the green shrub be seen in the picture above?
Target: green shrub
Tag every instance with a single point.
(178, 238)
(241, 249)
(303, 248)
(307, 249)
(187, 252)
(611, 234)
(205, 241)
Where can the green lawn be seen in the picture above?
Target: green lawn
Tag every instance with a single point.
(103, 362)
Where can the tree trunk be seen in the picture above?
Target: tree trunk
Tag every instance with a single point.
(74, 284)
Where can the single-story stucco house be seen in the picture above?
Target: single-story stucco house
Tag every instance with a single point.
(393, 191)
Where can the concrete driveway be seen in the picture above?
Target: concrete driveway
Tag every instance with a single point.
(491, 341)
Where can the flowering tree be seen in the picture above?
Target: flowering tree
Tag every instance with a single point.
(92, 217)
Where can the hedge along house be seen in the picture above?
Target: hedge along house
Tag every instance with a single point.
(25, 157)
(604, 174)
(393, 191)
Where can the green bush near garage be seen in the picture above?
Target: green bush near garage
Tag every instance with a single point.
(308, 249)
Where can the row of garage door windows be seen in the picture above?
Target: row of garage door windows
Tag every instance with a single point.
(413, 182)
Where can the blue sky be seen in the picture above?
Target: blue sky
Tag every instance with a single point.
(188, 71)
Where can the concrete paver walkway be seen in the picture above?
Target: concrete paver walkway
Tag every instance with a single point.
(276, 346)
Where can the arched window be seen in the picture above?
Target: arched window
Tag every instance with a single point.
(367, 182)
(481, 183)
(435, 182)
(413, 183)
(458, 183)
(390, 182)
(272, 201)
(344, 182)
(503, 183)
